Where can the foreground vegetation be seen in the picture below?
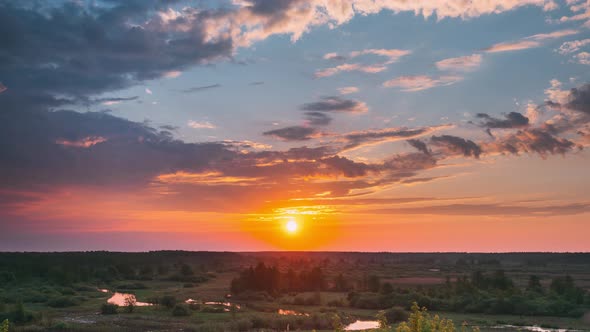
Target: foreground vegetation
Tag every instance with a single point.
(295, 291)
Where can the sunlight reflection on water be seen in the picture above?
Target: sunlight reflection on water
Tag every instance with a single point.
(362, 325)
(123, 299)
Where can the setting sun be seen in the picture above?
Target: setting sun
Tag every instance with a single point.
(291, 226)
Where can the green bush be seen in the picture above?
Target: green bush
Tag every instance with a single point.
(396, 315)
(168, 301)
(108, 309)
(180, 310)
(62, 302)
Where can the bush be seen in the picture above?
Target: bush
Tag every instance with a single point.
(180, 310)
(108, 309)
(168, 301)
(62, 302)
(396, 315)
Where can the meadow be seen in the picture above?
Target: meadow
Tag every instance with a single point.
(279, 291)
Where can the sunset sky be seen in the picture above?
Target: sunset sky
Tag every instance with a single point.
(364, 125)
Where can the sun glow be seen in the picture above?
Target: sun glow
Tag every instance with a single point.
(291, 226)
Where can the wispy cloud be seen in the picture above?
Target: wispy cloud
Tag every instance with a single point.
(115, 101)
(392, 55)
(85, 142)
(201, 124)
(463, 63)
(336, 104)
(370, 69)
(421, 82)
(348, 90)
(201, 88)
(294, 133)
(529, 42)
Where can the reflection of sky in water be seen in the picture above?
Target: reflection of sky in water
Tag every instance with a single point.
(532, 328)
(362, 325)
(120, 300)
(287, 312)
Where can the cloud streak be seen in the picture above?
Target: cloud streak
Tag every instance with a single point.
(421, 82)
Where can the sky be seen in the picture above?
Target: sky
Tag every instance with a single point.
(250, 125)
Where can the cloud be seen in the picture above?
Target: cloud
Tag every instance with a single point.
(392, 55)
(334, 56)
(256, 20)
(348, 167)
(371, 69)
(421, 82)
(317, 119)
(536, 140)
(512, 46)
(294, 133)
(511, 120)
(371, 137)
(148, 91)
(348, 90)
(201, 88)
(200, 124)
(336, 104)
(256, 83)
(456, 144)
(172, 74)
(114, 101)
(463, 63)
(2, 87)
(572, 46)
(529, 42)
(419, 145)
(576, 99)
(493, 209)
(143, 40)
(85, 142)
(64, 44)
(583, 58)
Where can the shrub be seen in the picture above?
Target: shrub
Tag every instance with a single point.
(180, 310)
(108, 309)
(396, 315)
(62, 302)
(168, 301)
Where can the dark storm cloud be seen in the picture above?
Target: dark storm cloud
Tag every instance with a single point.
(336, 104)
(77, 50)
(511, 120)
(201, 88)
(317, 118)
(456, 144)
(294, 133)
(419, 145)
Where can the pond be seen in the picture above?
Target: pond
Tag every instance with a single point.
(360, 325)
